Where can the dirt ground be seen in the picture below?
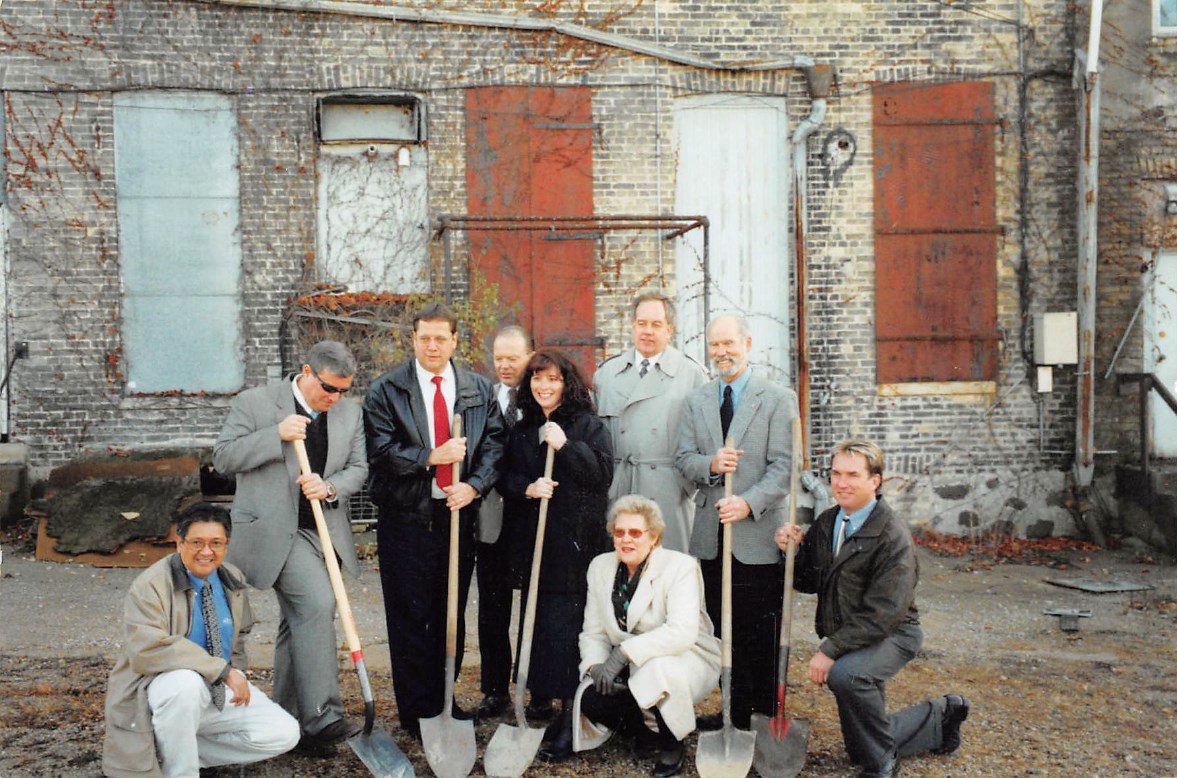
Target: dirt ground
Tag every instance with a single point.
(1098, 702)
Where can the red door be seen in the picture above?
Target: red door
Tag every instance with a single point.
(529, 154)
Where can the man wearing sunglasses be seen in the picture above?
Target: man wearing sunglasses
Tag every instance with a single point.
(275, 542)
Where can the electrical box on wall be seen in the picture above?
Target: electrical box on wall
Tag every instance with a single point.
(1056, 338)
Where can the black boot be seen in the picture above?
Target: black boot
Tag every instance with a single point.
(558, 736)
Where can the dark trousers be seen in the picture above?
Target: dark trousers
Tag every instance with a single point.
(757, 595)
(858, 680)
(414, 570)
(494, 614)
(621, 712)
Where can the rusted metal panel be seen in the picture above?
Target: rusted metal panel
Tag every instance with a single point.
(530, 154)
(935, 233)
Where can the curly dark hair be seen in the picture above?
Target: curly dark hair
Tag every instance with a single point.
(577, 395)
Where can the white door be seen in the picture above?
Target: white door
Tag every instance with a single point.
(733, 167)
(1160, 351)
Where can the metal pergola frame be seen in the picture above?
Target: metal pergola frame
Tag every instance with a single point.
(675, 226)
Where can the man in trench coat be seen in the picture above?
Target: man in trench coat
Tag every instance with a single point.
(641, 394)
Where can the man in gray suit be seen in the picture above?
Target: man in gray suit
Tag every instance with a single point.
(640, 395)
(757, 414)
(275, 542)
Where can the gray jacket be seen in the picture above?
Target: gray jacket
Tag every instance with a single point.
(762, 427)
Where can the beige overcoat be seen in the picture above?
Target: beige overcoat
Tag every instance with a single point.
(157, 615)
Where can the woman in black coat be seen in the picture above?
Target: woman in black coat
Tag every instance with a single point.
(558, 411)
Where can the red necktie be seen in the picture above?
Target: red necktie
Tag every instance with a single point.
(441, 432)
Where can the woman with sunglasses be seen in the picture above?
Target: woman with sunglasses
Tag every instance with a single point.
(648, 651)
(558, 412)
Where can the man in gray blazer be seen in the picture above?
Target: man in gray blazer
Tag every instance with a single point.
(640, 395)
(275, 542)
(757, 414)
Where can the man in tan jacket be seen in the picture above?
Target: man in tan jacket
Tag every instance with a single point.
(177, 694)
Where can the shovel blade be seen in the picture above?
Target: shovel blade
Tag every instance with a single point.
(779, 755)
(380, 754)
(449, 746)
(726, 753)
(511, 751)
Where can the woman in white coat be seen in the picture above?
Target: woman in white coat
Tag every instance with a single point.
(648, 651)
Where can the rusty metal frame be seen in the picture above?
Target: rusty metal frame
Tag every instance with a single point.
(674, 225)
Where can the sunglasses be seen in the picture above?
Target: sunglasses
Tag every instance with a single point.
(328, 388)
(634, 533)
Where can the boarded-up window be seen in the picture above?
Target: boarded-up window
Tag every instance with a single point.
(179, 241)
(530, 154)
(935, 233)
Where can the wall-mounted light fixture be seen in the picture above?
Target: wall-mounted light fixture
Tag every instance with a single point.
(403, 157)
(1171, 199)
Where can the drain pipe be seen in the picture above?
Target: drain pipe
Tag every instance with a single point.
(817, 80)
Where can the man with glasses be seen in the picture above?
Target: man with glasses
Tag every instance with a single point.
(178, 699)
(277, 544)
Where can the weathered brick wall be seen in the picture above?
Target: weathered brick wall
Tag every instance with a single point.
(975, 450)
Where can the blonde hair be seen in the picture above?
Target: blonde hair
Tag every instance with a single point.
(642, 506)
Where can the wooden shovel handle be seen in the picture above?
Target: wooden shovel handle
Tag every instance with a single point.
(341, 601)
(532, 595)
(451, 605)
(726, 592)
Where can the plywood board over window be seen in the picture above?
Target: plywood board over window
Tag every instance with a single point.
(179, 241)
(935, 233)
(530, 154)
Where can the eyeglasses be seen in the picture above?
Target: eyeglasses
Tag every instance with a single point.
(633, 532)
(196, 544)
(328, 388)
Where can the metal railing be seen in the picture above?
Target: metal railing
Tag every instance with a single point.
(1147, 382)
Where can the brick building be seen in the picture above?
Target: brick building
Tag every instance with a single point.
(888, 189)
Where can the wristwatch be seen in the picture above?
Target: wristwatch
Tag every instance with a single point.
(332, 495)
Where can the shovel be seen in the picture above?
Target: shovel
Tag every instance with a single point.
(449, 743)
(512, 749)
(781, 742)
(374, 747)
(728, 752)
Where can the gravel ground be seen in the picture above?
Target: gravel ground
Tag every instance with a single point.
(1098, 702)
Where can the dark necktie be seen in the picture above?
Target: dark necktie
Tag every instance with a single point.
(511, 415)
(212, 638)
(726, 410)
(645, 368)
(441, 432)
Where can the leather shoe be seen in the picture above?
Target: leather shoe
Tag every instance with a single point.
(888, 769)
(709, 723)
(322, 743)
(670, 761)
(558, 748)
(412, 728)
(955, 712)
(492, 705)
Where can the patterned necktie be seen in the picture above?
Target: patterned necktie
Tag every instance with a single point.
(511, 415)
(212, 638)
(645, 368)
(441, 432)
(726, 410)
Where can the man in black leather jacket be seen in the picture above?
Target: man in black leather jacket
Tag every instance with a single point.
(407, 415)
(860, 561)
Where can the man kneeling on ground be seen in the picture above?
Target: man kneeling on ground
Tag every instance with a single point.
(177, 698)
